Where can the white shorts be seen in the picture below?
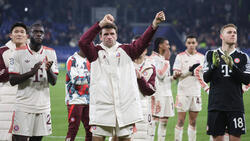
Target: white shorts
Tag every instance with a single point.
(32, 124)
(143, 128)
(188, 103)
(163, 106)
(100, 131)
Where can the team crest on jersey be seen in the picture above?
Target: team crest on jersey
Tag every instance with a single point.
(93, 127)
(118, 55)
(237, 60)
(16, 127)
(72, 119)
(145, 73)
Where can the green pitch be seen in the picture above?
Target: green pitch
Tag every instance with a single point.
(59, 116)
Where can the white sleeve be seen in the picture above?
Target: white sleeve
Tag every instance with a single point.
(54, 66)
(198, 73)
(177, 63)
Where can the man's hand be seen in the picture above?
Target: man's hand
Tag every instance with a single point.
(192, 68)
(160, 17)
(48, 65)
(216, 59)
(107, 19)
(228, 60)
(177, 74)
(36, 67)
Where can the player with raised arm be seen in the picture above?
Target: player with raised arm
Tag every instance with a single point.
(18, 35)
(32, 68)
(187, 67)
(226, 69)
(114, 100)
(162, 102)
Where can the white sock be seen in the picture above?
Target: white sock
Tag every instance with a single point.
(226, 137)
(211, 138)
(178, 133)
(162, 131)
(191, 133)
(151, 130)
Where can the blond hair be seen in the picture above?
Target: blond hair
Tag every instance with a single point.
(226, 26)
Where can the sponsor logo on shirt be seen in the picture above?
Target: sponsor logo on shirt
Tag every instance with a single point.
(27, 61)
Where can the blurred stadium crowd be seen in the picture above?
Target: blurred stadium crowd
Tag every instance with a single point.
(66, 20)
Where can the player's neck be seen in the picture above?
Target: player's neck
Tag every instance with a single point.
(19, 45)
(81, 54)
(228, 48)
(139, 60)
(192, 52)
(35, 47)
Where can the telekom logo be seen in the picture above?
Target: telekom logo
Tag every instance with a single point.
(225, 70)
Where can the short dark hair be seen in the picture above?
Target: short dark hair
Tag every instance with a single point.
(192, 35)
(37, 24)
(109, 26)
(158, 40)
(18, 24)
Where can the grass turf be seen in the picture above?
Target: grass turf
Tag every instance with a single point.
(59, 116)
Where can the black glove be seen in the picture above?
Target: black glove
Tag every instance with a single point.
(191, 69)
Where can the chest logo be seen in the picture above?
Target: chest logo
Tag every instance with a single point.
(237, 60)
(145, 73)
(27, 61)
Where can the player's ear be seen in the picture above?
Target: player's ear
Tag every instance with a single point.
(10, 35)
(221, 36)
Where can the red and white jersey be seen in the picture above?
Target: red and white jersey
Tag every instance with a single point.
(190, 85)
(33, 94)
(163, 83)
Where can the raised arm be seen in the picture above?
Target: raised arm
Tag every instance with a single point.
(135, 49)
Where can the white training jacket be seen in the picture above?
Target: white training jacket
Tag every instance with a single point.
(114, 93)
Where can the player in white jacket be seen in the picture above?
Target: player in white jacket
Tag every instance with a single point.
(114, 100)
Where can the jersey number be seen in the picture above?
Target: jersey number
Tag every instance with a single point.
(38, 75)
(238, 122)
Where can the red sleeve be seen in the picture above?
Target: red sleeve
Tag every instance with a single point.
(4, 73)
(147, 87)
(86, 42)
(135, 49)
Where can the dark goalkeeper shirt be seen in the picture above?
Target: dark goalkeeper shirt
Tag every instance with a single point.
(225, 84)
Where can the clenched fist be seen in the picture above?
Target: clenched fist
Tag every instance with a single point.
(107, 19)
(159, 18)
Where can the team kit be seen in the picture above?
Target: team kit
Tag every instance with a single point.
(118, 91)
